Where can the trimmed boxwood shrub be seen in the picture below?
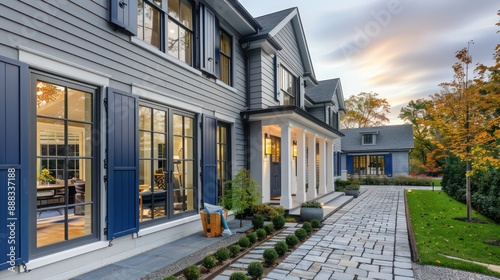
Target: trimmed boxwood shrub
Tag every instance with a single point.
(192, 272)
(315, 223)
(244, 242)
(170, 278)
(278, 222)
(269, 228)
(307, 226)
(261, 233)
(209, 262)
(270, 256)
(238, 276)
(268, 211)
(301, 234)
(291, 240)
(234, 250)
(258, 221)
(252, 237)
(281, 247)
(222, 254)
(255, 270)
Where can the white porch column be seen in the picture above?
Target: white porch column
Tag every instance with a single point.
(329, 167)
(301, 167)
(311, 168)
(286, 166)
(322, 166)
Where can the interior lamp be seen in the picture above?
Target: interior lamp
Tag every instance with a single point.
(294, 146)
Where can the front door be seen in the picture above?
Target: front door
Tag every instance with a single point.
(275, 167)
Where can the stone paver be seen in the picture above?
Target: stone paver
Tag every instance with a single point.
(366, 239)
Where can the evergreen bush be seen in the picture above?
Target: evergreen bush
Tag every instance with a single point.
(209, 262)
(234, 250)
(301, 234)
(252, 237)
(192, 272)
(257, 221)
(315, 223)
(291, 240)
(281, 247)
(270, 256)
(238, 276)
(244, 242)
(255, 270)
(269, 228)
(307, 226)
(222, 255)
(261, 233)
(278, 222)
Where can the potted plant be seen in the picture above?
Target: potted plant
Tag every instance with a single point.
(352, 189)
(311, 210)
(45, 176)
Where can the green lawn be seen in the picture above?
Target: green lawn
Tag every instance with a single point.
(437, 182)
(438, 234)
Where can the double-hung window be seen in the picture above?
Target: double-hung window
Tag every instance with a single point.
(225, 56)
(288, 87)
(168, 27)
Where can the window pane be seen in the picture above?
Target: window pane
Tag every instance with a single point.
(159, 145)
(152, 21)
(144, 118)
(185, 46)
(144, 144)
(80, 134)
(225, 73)
(159, 120)
(177, 123)
(188, 126)
(50, 100)
(186, 14)
(189, 148)
(79, 105)
(178, 148)
(144, 174)
(80, 223)
(173, 39)
(173, 8)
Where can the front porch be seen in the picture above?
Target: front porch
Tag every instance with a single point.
(291, 151)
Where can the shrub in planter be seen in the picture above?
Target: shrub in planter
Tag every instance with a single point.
(170, 278)
(244, 242)
(291, 240)
(269, 228)
(258, 221)
(192, 272)
(307, 226)
(352, 189)
(209, 262)
(315, 223)
(252, 237)
(234, 250)
(278, 222)
(270, 256)
(255, 270)
(301, 234)
(340, 184)
(311, 210)
(238, 276)
(281, 247)
(261, 233)
(222, 255)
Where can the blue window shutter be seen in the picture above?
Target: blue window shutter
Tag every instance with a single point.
(209, 156)
(388, 164)
(14, 128)
(349, 162)
(123, 163)
(124, 14)
(209, 41)
(339, 164)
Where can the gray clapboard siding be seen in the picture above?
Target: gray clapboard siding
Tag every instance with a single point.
(79, 32)
(290, 54)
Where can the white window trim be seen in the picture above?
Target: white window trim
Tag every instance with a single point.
(62, 67)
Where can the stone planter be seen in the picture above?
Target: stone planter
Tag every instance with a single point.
(354, 193)
(309, 214)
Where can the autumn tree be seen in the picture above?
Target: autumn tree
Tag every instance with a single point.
(365, 110)
(465, 113)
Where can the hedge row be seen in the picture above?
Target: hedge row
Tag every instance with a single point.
(398, 181)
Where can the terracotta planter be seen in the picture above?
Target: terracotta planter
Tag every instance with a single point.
(354, 193)
(309, 214)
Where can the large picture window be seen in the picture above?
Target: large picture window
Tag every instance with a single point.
(65, 159)
(168, 27)
(288, 87)
(369, 165)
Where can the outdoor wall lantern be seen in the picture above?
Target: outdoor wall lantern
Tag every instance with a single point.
(268, 145)
(294, 147)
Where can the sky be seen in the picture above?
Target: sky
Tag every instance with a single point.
(400, 49)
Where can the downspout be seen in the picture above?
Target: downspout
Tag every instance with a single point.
(246, 124)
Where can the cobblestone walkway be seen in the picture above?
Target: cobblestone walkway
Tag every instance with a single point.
(366, 239)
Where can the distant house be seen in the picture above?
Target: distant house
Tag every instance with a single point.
(377, 151)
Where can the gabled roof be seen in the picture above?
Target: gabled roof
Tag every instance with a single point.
(389, 138)
(273, 23)
(324, 91)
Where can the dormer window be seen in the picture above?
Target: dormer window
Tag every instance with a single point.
(369, 138)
